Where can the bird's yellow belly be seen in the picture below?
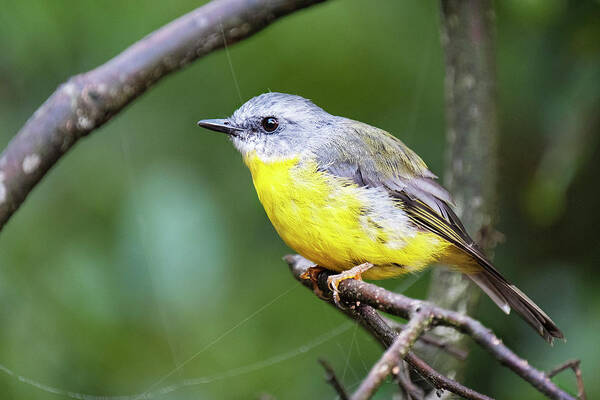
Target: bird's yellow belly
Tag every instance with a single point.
(337, 224)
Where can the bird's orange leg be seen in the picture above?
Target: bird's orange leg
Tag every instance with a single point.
(354, 273)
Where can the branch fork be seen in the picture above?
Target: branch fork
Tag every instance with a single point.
(364, 299)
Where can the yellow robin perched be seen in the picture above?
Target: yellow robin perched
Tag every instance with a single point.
(354, 199)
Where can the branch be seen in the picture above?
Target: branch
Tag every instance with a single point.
(370, 319)
(407, 386)
(418, 323)
(441, 381)
(431, 340)
(467, 36)
(384, 334)
(86, 101)
(373, 323)
(359, 293)
(576, 367)
(333, 380)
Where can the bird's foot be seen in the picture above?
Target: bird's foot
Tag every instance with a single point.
(312, 273)
(334, 281)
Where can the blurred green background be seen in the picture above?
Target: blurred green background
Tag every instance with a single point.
(146, 246)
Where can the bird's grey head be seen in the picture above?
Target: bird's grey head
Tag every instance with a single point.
(273, 125)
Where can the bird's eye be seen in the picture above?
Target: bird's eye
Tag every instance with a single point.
(269, 124)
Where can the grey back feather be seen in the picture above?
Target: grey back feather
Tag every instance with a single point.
(372, 157)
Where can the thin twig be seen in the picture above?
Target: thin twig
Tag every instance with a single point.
(442, 382)
(431, 340)
(359, 292)
(410, 390)
(333, 380)
(417, 324)
(86, 101)
(575, 365)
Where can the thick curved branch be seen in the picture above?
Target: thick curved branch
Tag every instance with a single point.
(354, 292)
(86, 101)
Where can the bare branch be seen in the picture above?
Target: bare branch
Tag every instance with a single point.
(355, 292)
(418, 323)
(410, 390)
(467, 37)
(370, 319)
(441, 381)
(431, 340)
(333, 380)
(575, 365)
(374, 324)
(86, 101)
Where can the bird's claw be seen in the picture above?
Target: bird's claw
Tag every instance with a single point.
(333, 281)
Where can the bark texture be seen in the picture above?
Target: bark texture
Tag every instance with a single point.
(467, 36)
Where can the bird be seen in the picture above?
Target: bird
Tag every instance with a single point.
(355, 200)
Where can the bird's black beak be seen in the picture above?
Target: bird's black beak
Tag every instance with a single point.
(219, 125)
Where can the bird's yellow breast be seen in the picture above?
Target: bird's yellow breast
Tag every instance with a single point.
(337, 224)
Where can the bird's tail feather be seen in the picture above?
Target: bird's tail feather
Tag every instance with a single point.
(507, 296)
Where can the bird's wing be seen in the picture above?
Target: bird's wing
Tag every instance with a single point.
(371, 157)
